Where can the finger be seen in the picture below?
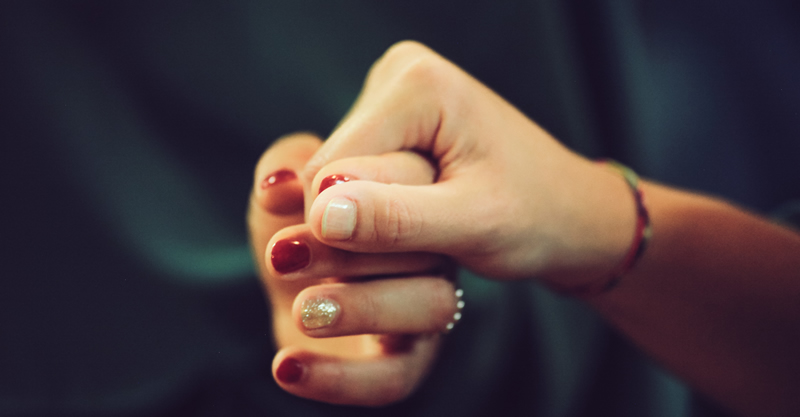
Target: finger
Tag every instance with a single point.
(403, 167)
(382, 120)
(363, 216)
(277, 202)
(423, 304)
(374, 380)
(276, 199)
(276, 186)
(294, 254)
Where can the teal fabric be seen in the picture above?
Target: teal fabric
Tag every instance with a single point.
(129, 135)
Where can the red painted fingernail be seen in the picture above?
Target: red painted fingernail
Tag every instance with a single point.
(289, 371)
(290, 255)
(331, 180)
(278, 177)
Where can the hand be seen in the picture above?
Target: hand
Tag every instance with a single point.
(509, 200)
(408, 299)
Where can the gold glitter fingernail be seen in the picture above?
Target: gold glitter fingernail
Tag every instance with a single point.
(319, 312)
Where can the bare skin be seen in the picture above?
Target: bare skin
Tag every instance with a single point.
(715, 297)
(362, 369)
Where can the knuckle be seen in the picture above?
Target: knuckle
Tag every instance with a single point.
(399, 53)
(411, 62)
(370, 310)
(397, 222)
(405, 47)
(426, 71)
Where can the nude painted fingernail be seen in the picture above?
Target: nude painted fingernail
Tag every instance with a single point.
(319, 312)
(339, 219)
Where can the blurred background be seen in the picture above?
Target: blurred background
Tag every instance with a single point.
(129, 132)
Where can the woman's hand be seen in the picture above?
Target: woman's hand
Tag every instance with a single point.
(329, 305)
(714, 298)
(509, 201)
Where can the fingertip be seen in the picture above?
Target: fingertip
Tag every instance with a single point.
(339, 219)
(290, 367)
(278, 177)
(367, 382)
(332, 180)
(280, 192)
(366, 216)
(277, 187)
(343, 217)
(289, 255)
(289, 371)
(316, 313)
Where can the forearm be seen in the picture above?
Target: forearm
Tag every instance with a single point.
(716, 299)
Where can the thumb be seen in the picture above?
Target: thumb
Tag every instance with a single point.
(365, 216)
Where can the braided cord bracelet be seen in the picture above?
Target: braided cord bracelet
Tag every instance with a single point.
(642, 235)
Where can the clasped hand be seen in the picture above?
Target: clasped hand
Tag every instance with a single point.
(355, 237)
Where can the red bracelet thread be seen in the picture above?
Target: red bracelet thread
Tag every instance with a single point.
(641, 236)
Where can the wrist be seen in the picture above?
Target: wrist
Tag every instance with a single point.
(603, 235)
(639, 241)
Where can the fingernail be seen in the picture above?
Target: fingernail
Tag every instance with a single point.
(290, 255)
(339, 219)
(319, 312)
(278, 177)
(289, 371)
(332, 180)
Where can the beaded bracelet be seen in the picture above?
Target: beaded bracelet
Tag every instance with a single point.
(641, 237)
